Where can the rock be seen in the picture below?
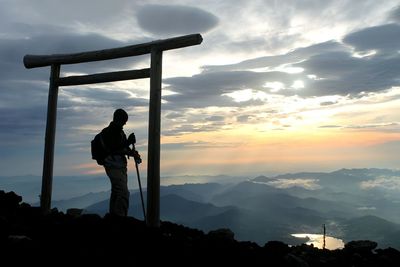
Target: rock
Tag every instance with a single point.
(361, 246)
(295, 261)
(74, 212)
(89, 219)
(389, 256)
(9, 202)
(18, 239)
(276, 248)
(222, 233)
(390, 252)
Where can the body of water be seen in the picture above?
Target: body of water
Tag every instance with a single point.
(318, 241)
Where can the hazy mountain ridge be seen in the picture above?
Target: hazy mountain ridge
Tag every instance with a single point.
(26, 233)
(68, 187)
(64, 187)
(261, 212)
(258, 211)
(81, 201)
(368, 190)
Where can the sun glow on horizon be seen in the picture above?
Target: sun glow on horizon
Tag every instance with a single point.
(283, 133)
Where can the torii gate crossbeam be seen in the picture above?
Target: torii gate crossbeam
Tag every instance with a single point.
(154, 48)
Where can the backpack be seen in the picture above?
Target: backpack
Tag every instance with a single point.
(98, 148)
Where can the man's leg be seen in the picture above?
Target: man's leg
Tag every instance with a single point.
(119, 200)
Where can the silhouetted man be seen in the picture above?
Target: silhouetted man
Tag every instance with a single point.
(115, 164)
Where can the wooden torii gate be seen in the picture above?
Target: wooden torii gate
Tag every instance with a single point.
(156, 49)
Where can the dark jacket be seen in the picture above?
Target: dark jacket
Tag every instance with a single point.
(116, 142)
(114, 138)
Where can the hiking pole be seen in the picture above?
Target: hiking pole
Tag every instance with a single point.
(136, 157)
(140, 188)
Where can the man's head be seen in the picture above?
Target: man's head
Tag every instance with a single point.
(120, 117)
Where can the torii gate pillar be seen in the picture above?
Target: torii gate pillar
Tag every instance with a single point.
(153, 156)
(156, 49)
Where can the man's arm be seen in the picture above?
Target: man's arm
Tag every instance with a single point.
(135, 155)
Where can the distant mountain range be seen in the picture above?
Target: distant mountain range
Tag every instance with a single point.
(64, 187)
(67, 187)
(352, 203)
(26, 233)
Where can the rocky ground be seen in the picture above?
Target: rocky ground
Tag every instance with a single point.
(27, 236)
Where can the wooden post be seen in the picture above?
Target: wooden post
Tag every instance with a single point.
(34, 61)
(47, 178)
(104, 77)
(153, 164)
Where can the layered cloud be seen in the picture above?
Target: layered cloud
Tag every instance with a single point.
(382, 182)
(330, 68)
(395, 14)
(175, 19)
(383, 39)
(306, 183)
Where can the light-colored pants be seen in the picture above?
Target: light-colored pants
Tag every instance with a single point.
(119, 200)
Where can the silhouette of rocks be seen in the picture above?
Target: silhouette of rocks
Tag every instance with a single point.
(221, 234)
(27, 236)
(363, 246)
(74, 212)
(9, 202)
(277, 248)
(293, 260)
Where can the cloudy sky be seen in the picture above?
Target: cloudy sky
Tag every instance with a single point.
(276, 86)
